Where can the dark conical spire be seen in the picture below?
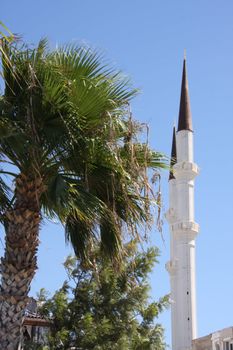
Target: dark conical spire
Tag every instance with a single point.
(173, 155)
(185, 118)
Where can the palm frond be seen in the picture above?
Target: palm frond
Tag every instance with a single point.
(9, 36)
(65, 117)
(5, 199)
(111, 237)
(80, 233)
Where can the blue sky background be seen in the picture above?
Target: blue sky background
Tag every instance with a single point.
(146, 39)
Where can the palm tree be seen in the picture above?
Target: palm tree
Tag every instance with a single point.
(67, 150)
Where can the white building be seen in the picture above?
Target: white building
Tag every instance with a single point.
(183, 231)
(220, 340)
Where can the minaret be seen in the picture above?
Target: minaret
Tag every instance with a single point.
(183, 228)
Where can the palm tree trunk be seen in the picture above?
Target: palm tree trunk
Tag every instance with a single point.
(19, 263)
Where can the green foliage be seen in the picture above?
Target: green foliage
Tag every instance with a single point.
(5, 30)
(101, 309)
(64, 117)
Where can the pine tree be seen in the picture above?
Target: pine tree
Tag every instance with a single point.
(100, 308)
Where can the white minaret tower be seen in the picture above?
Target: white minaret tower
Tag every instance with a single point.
(183, 228)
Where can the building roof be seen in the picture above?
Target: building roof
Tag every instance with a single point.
(33, 318)
(37, 321)
(173, 154)
(208, 342)
(185, 117)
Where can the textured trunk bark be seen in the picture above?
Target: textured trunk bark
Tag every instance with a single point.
(19, 263)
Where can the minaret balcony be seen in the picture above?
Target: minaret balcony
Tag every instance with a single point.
(187, 229)
(170, 215)
(185, 170)
(171, 267)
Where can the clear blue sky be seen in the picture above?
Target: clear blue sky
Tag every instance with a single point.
(146, 40)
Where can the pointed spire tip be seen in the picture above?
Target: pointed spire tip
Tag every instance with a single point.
(185, 118)
(185, 54)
